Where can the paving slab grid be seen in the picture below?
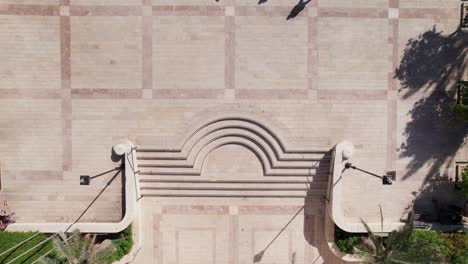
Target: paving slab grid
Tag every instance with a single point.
(78, 75)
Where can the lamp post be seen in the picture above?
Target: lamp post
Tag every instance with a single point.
(386, 179)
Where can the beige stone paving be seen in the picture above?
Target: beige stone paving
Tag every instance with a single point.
(323, 77)
(106, 52)
(27, 66)
(270, 54)
(176, 43)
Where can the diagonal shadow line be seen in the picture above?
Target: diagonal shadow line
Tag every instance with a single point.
(95, 199)
(104, 173)
(259, 255)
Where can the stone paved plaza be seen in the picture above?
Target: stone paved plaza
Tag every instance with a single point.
(77, 76)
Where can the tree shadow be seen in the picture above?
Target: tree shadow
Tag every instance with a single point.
(432, 63)
(432, 60)
(433, 135)
(437, 198)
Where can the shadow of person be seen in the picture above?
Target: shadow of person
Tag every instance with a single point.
(297, 9)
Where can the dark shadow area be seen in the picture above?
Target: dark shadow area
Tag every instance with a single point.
(433, 135)
(438, 201)
(432, 60)
(297, 9)
(309, 222)
(124, 197)
(433, 63)
(115, 157)
(262, 1)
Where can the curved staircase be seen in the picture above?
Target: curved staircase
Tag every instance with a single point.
(291, 173)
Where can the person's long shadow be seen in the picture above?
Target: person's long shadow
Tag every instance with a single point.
(297, 9)
(432, 63)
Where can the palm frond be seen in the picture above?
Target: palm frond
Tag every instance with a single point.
(376, 240)
(62, 251)
(399, 238)
(48, 260)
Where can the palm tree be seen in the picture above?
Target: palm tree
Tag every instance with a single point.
(397, 248)
(77, 249)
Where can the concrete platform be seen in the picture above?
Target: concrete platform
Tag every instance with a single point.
(76, 76)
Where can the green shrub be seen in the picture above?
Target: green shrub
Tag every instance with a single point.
(461, 108)
(461, 111)
(345, 241)
(347, 245)
(464, 182)
(10, 239)
(429, 243)
(458, 247)
(123, 243)
(461, 258)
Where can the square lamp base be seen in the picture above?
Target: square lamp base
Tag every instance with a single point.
(85, 179)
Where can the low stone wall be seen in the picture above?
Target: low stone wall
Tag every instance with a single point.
(342, 154)
(131, 204)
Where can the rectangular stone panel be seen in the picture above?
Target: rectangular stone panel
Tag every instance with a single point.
(106, 52)
(188, 52)
(31, 134)
(196, 246)
(30, 56)
(429, 3)
(30, 2)
(271, 54)
(353, 53)
(105, 2)
(353, 3)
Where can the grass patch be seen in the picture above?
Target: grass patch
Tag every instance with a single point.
(10, 239)
(122, 242)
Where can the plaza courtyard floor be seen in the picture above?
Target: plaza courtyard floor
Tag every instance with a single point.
(77, 76)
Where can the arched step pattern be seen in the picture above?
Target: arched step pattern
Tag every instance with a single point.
(288, 173)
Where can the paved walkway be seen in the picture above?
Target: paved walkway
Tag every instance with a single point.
(228, 231)
(78, 75)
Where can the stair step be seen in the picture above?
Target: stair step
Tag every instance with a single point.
(161, 163)
(149, 170)
(232, 193)
(156, 180)
(148, 176)
(177, 155)
(213, 185)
